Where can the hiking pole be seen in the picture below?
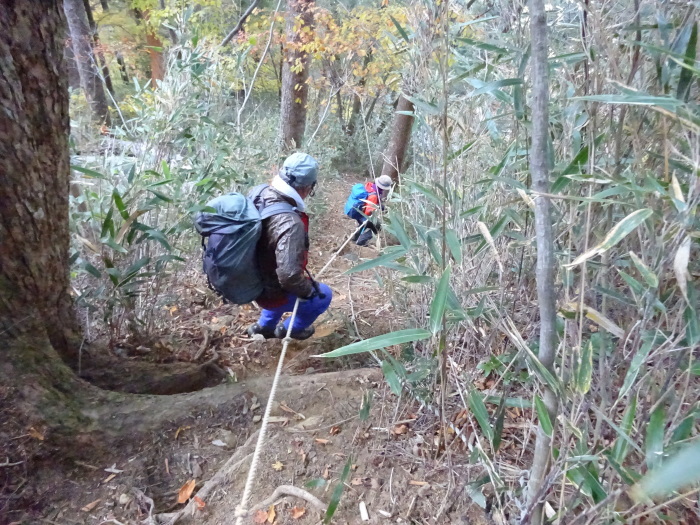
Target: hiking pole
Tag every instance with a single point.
(242, 508)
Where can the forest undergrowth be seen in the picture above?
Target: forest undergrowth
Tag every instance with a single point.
(456, 332)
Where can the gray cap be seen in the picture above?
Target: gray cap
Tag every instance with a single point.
(300, 169)
(383, 182)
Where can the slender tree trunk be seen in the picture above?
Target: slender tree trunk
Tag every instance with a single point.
(81, 40)
(155, 52)
(122, 68)
(395, 154)
(295, 72)
(545, 272)
(96, 45)
(105, 5)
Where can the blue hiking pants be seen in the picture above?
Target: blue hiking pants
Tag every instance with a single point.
(307, 312)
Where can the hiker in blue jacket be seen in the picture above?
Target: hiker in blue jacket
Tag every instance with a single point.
(283, 251)
(364, 200)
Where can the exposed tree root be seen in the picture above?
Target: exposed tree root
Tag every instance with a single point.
(223, 476)
(289, 490)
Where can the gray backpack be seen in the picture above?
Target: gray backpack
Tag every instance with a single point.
(231, 234)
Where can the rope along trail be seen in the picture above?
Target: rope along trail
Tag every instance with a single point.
(242, 508)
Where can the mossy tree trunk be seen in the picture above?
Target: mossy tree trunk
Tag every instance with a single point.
(36, 314)
(295, 72)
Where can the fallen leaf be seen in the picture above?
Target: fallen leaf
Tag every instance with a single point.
(90, 506)
(298, 512)
(218, 443)
(400, 429)
(358, 481)
(36, 434)
(271, 514)
(335, 429)
(260, 517)
(417, 483)
(321, 441)
(186, 491)
(180, 429)
(278, 465)
(199, 502)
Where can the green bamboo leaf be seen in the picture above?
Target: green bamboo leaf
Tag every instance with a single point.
(109, 241)
(382, 260)
(654, 443)
(89, 268)
(90, 173)
(478, 408)
(631, 99)
(396, 227)
(619, 451)
(400, 29)
(437, 306)
(338, 491)
(686, 76)
(543, 416)
(454, 245)
(621, 230)
(649, 276)
(681, 470)
(391, 377)
(491, 86)
(584, 369)
(119, 203)
(637, 361)
(484, 45)
(381, 341)
(421, 279)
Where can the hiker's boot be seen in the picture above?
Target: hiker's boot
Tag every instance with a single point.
(299, 335)
(256, 329)
(364, 238)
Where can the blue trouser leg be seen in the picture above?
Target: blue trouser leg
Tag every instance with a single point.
(307, 312)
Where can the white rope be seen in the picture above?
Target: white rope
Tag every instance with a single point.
(241, 509)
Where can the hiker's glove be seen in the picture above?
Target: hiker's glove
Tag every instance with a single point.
(373, 227)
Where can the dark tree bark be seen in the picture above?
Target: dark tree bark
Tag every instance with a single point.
(295, 72)
(240, 23)
(105, 5)
(155, 51)
(395, 154)
(122, 68)
(96, 45)
(81, 40)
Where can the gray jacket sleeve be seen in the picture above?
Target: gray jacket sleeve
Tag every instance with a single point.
(291, 252)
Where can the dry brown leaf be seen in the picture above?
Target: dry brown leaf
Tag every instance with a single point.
(278, 465)
(358, 481)
(260, 517)
(36, 434)
(199, 502)
(321, 441)
(90, 506)
(271, 514)
(335, 429)
(400, 429)
(186, 491)
(298, 512)
(417, 483)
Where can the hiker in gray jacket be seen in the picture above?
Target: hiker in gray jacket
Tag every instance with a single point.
(283, 252)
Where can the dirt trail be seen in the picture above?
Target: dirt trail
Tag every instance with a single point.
(317, 427)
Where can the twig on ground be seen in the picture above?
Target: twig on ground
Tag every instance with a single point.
(8, 464)
(289, 490)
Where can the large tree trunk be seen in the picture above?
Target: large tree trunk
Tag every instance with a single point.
(295, 72)
(34, 169)
(395, 154)
(81, 40)
(155, 51)
(539, 168)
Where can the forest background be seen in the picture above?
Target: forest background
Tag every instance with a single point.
(542, 234)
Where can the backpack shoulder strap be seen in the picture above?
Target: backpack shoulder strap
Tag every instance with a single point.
(276, 209)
